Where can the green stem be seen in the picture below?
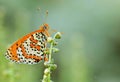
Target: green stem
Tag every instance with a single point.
(47, 76)
(50, 52)
(49, 64)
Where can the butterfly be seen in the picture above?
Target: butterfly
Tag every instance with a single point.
(30, 48)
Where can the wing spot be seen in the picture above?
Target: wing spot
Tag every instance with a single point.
(16, 44)
(41, 46)
(42, 54)
(29, 61)
(38, 52)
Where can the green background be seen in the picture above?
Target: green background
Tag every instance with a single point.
(90, 44)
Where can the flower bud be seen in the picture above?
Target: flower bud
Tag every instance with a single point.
(53, 66)
(58, 35)
(49, 39)
(46, 51)
(47, 71)
(55, 43)
(55, 50)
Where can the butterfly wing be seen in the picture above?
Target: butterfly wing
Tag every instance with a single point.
(29, 49)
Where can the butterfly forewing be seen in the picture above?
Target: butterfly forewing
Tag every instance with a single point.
(29, 49)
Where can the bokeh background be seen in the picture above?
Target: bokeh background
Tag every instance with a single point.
(90, 44)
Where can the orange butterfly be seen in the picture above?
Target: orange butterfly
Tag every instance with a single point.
(30, 48)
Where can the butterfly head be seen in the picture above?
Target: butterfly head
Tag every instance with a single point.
(45, 27)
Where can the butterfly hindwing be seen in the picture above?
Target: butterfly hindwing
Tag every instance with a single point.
(29, 49)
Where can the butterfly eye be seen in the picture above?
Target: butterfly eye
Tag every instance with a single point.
(44, 27)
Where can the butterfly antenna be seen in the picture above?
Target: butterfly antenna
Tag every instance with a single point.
(46, 16)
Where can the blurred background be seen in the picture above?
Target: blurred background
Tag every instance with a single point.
(90, 44)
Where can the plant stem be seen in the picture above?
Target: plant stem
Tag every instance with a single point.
(49, 64)
(47, 76)
(50, 52)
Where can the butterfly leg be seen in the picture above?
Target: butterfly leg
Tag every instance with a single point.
(46, 58)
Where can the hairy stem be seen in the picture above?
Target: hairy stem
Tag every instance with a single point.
(50, 66)
(47, 71)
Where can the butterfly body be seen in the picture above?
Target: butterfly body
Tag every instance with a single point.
(29, 49)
